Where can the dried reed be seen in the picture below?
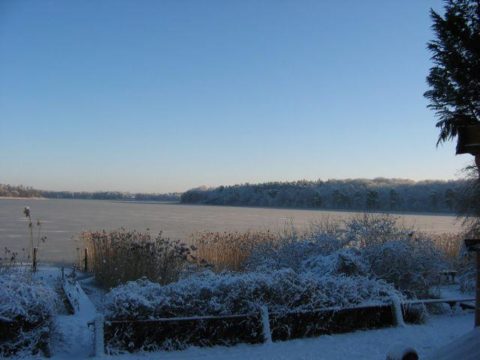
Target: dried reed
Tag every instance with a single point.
(228, 250)
(119, 256)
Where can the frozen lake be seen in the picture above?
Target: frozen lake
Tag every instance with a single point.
(64, 219)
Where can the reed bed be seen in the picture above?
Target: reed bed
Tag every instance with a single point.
(231, 251)
(228, 250)
(119, 256)
(449, 244)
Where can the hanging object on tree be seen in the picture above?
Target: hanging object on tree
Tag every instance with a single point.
(468, 141)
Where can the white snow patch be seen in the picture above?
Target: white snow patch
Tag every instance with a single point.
(466, 347)
(74, 337)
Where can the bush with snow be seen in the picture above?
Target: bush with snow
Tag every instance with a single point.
(348, 262)
(365, 261)
(412, 265)
(229, 293)
(370, 245)
(467, 279)
(292, 248)
(368, 230)
(324, 238)
(26, 310)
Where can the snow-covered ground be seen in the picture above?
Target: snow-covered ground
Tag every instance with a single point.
(371, 344)
(73, 339)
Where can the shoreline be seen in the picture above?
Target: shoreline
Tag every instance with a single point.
(357, 211)
(22, 198)
(178, 203)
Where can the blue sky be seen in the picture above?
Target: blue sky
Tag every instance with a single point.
(161, 96)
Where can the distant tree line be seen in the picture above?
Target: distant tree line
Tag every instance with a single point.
(357, 194)
(18, 191)
(29, 192)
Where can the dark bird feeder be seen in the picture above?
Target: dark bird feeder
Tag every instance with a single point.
(468, 141)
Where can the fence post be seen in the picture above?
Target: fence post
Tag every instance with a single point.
(474, 245)
(99, 345)
(267, 335)
(477, 293)
(397, 311)
(34, 264)
(85, 260)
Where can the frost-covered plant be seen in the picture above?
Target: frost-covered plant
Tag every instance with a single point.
(464, 262)
(22, 297)
(323, 238)
(119, 256)
(348, 262)
(467, 281)
(286, 254)
(40, 238)
(372, 245)
(412, 264)
(8, 261)
(368, 229)
(233, 293)
(26, 309)
(292, 248)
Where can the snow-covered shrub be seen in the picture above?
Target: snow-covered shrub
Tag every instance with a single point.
(291, 249)
(368, 230)
(372, 245)
(223, 294)
(348, 262)
(466, 267)
(8, 261)
(467, 280)
(324, 238)
(411, 264)
(26, 310)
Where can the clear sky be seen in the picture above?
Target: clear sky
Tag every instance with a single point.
(160, 96)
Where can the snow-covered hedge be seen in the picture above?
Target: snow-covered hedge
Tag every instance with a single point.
(26, 310)
(229, 293)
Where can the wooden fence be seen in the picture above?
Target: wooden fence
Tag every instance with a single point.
(261, 327)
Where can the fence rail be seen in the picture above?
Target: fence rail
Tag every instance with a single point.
(438, 301)
(261, 327)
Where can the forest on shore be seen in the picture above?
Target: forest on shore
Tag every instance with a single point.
(378, 194)
(29, 192)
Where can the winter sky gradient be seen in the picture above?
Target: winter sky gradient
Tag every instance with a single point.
(160, 96)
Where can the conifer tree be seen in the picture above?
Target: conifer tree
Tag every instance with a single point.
(454, 80)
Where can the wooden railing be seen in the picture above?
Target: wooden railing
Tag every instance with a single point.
(260, 327)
